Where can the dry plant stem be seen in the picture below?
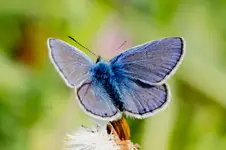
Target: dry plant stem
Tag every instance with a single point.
(121, 128)
(121, 131)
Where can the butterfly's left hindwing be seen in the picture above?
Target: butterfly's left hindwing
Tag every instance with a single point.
(96, 102)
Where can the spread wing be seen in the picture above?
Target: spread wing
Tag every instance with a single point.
(96, 102)
(72, 64)
(142, 100)
(152, 62)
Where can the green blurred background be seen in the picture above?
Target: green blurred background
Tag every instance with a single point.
(36, 107)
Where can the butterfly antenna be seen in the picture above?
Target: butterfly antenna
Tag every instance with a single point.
(121, 45)
(82, 46)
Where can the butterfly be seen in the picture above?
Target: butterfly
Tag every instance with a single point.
(132, 83)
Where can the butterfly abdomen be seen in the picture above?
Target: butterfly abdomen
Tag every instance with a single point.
(103, 74)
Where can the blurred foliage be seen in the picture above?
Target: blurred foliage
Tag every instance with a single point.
(36, 107)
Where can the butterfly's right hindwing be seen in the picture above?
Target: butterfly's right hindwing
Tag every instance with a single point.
(141, 100)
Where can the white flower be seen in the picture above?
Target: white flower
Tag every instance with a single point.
(97, 138)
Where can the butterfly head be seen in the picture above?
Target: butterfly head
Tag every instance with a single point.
(101, 70)
(98, 59)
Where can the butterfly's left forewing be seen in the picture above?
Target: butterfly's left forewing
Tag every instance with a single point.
(72, 64)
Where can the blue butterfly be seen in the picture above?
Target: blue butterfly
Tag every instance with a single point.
(134, 82)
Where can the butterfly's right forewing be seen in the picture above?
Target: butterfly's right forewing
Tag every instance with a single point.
(72, 64)
(153, 62)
